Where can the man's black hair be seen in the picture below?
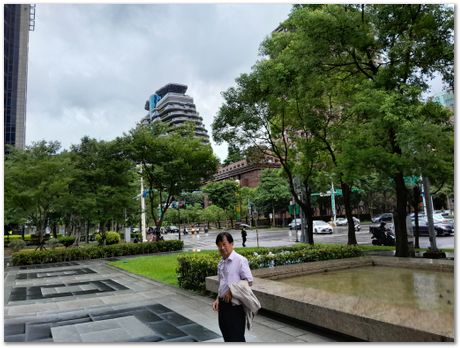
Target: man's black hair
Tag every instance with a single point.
(221, 235)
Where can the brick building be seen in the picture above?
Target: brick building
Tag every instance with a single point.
(247, 172)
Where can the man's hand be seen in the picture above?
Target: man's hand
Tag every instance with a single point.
(215, 305)
(228, 296)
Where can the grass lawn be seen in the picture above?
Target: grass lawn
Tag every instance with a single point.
(161, 268)
(157, 267)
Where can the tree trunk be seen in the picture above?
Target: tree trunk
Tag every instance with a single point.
(346, 191)
(402, 247)
(308, 213)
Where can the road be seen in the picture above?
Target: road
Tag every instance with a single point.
(283, 236)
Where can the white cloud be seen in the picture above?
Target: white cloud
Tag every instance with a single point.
(93, 66)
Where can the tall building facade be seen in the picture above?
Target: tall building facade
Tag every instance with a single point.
(18, 20)
(171, 105)
(446, 99)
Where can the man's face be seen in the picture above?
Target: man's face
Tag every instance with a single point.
(225, 248)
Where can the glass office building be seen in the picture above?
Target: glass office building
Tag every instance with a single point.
(18, 20)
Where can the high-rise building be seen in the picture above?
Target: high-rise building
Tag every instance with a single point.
(18, 20)
(171, 105)
(446, 99)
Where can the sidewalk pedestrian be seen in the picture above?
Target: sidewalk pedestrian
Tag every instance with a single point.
(231, 269)
(244, 236)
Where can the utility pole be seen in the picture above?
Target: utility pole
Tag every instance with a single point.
(334, 213)
(433, 252)
(144, 235)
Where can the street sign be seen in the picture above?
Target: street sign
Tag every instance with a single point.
(297, 209)
(411, 180)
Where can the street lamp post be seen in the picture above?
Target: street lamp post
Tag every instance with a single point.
(143, 222)
(238, 203)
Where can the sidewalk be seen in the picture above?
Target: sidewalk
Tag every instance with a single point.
(90, 301)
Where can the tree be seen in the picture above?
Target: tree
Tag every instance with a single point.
(224, 194)
(170, 161)
(35, 180)
(362, 67)
(213, 213)
(103, 187)
(234, 155)
(272, 194)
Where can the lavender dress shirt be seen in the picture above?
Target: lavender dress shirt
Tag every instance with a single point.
(231, 270)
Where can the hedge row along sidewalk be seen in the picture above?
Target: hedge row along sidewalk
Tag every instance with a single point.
(194, 268)
(93, 252)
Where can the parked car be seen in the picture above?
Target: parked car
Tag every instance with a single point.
(344, 222)
(441, 227)
(385, 217)
(172, 229)
(320, 226)
(295, 224)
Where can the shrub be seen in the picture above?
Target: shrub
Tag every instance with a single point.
(194, 268)
(111, 237)
(53, 243)
(66, 240)
(93, 252)
(17, 244)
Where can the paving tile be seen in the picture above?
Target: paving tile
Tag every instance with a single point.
(292, 331)
(14, 329)
(147, 316)
(152, 338)
(158, 308)
(199, 332)
(166, 330)
(37, 331)
(65, 334)
(182, 339)
(109, 335)
(15, 338)
(133, 326)
(176, 319)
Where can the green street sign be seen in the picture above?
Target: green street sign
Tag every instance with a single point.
(291, 209)
(411, 180)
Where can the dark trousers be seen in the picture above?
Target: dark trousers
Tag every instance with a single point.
(232, 322)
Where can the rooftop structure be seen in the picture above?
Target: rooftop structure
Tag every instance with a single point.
(171, 105)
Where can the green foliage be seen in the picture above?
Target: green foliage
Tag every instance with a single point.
(66, 240)
(337, 96)
(111, 237)
(93, 252)
(103, 184)
(54, 243)
(194, 268)
(213, 213)
(172, 161)
(17, 244)
(36, 179)
(223, 193)
(234, 155)
(272, 193)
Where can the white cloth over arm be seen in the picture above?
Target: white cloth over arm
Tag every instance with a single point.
(242, 292)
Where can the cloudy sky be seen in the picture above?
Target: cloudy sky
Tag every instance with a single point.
(93, 66)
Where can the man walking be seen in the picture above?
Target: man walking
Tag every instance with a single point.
(231, 269)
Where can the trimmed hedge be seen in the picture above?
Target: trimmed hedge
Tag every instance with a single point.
(66, 240)
(194, 268)
(94, 252)
(111, 237)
